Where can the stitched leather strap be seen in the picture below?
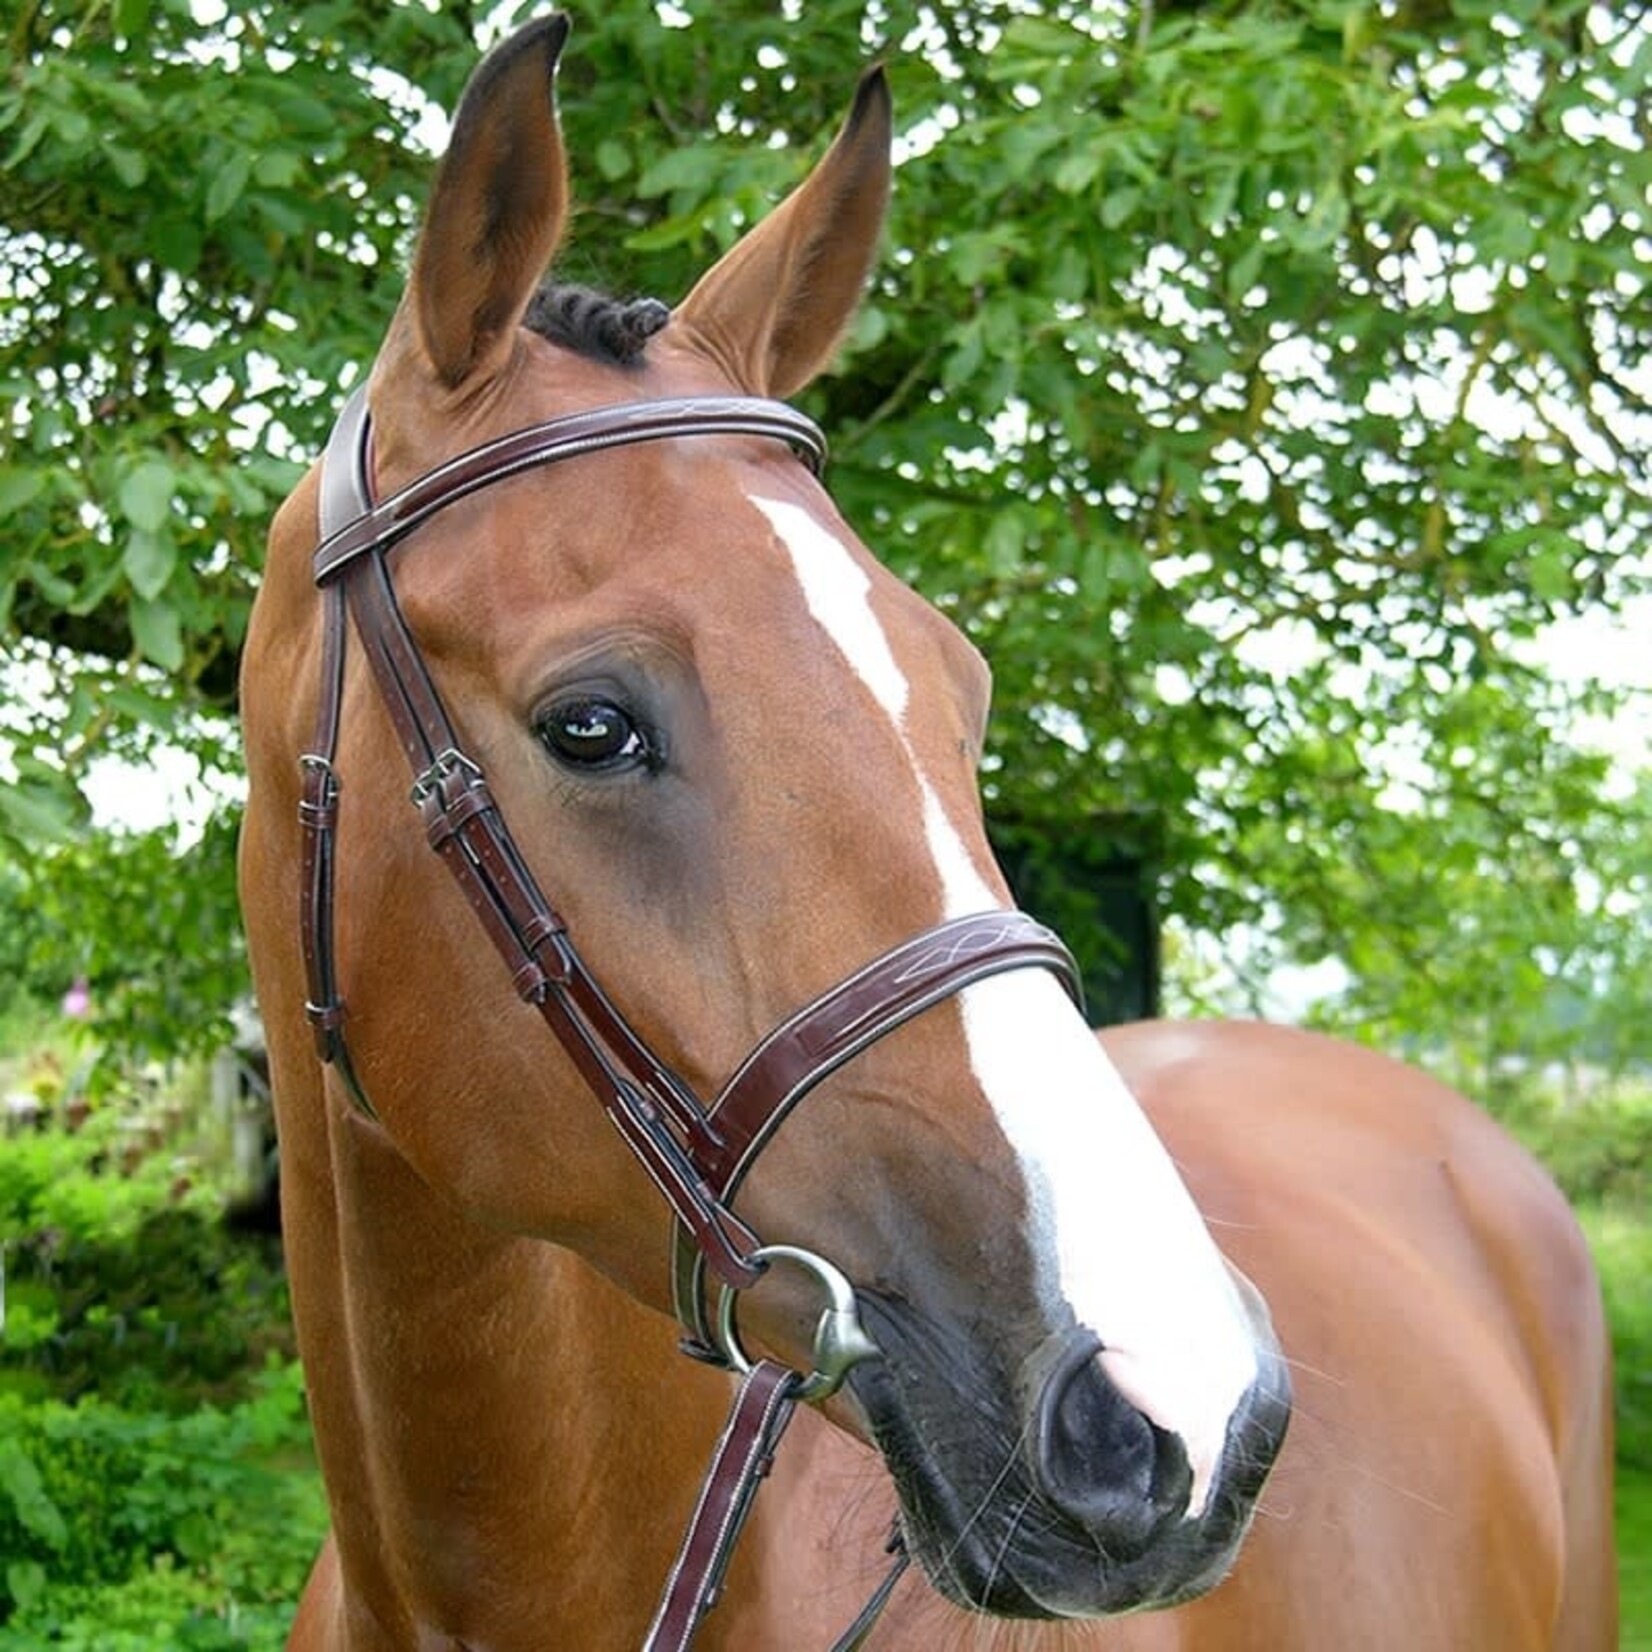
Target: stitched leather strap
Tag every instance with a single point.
(344, 482)
(744, 1455)
(857, 1012)
(813, 1043)
(762, 1409)
(378, 526)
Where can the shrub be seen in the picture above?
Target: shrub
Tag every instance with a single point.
(1622, 1242)
(176, 1313)
(174, 1504)
(201, 1513)
(1599, 1151)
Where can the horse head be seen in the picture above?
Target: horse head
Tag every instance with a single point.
(740, 756)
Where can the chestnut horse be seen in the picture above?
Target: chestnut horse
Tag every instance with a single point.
(740, 757)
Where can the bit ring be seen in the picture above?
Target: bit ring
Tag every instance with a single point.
(840, 1342)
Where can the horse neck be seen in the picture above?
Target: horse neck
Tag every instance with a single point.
(471, 1395)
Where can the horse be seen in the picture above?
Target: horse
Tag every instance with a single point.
(579, 582)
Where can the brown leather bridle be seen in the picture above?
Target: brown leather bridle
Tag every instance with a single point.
(696, 1154)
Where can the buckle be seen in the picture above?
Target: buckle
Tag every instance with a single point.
(448, 764)
(312, 763)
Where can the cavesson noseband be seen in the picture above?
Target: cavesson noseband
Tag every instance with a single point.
(697, 1154)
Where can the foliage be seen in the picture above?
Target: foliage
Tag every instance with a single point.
(1622, 1242)
(1598, 1150)
(73, 1188)
(174, 1503)
(152, 929)
(1253, 381)
(120, 1275)
(1517, 943)
(193, 1516)
(164, 1317)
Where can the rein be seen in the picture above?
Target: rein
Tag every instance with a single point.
(697, 1154)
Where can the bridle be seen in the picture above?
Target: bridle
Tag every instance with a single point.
(697, 1154)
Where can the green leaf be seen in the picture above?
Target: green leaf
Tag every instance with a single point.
(277, 168)
(1119, 206)
(177, 243)
(274, 210)
(197, 1537)
(1075, 173)
(19, 486)
(25, 1582)
(693, 167)
(20, 1480)
(149, 559)
(73, 128)
(965, 360)
(1245, 268)
(1550, 572)
(131, 17)
(40, 814)
(979, 254)
(145, 495)
(157, 631)
(228, 184)
(129, 165)
(51, 584)
(669, 232)
(1005, 540)
(27, 140)
(100, 580)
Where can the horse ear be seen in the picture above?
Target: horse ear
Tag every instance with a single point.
(496, 211)
(774, 307)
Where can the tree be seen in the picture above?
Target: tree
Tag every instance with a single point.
(1253, 381)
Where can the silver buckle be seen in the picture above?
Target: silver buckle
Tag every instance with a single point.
(447, 764)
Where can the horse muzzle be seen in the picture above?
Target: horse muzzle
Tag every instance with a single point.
(1046, 1493)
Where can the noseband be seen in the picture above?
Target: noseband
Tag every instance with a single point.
(697, 1154)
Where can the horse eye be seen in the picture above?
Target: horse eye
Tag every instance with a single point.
(588, 732)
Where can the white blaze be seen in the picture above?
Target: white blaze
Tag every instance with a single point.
(1115, 1234)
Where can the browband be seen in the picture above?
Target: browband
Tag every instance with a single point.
(351, 523)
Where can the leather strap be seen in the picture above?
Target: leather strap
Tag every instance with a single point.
(857, 1012)
(819, 1038)
(378, 526)
(762, 1409)
(855, 1636)
(345, 481)
(745, 1453)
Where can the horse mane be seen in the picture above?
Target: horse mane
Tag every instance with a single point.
(594, 324)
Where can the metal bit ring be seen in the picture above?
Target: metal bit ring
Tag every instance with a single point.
(841, 1341)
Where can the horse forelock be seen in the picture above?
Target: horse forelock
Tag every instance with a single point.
(595, 324)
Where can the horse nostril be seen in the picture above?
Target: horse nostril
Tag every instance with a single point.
(1099, 1460)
